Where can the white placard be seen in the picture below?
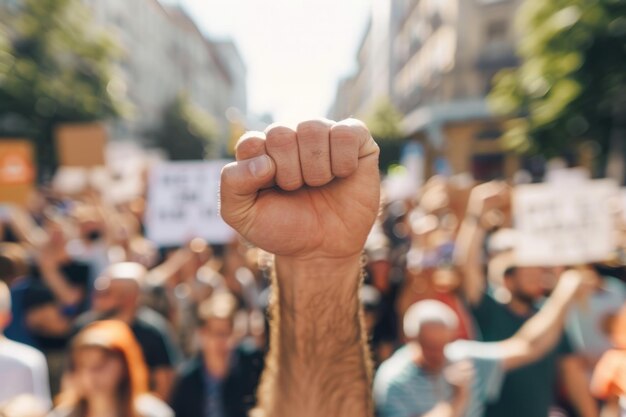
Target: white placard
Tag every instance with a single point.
(560, 225)
(183, 203)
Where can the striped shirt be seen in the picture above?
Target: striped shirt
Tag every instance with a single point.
(403, 389)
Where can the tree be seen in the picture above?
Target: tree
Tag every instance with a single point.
(571, 85)
(55, 67)
(384, 123)
(187, 131)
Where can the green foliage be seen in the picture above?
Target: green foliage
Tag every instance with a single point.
(572, 77)
(187, 132)
(54, 68)
(385, 121)
(385, 126)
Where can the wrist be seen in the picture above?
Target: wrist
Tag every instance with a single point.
(304, 278)
(461, 398)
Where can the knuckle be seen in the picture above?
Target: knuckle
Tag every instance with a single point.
(346, 134)
(280, 136)
(249, 145)
(357, 126)
(313, 129)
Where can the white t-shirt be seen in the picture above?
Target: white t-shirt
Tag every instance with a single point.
(23, 370)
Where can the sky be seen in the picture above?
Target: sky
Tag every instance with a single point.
(295, 50)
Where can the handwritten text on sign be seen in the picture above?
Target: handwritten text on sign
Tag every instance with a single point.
(564, 225)
(183, 203)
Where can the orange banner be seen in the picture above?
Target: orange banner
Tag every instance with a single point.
(17, 171)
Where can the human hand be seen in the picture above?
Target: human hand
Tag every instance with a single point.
(489, 196)
(309, 193)
(461, 375)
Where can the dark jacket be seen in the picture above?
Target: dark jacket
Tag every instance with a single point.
(239, 390)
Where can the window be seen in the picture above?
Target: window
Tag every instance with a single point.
(497, 31)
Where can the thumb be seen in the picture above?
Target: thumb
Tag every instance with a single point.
(240, 183)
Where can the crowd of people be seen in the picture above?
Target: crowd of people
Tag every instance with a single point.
(97, 321)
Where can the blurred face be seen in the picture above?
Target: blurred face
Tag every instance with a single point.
(528, 284)
(112, 297)
(91, 229)
(98, 371)
(217, 338)
(57, 236)
(433, 338)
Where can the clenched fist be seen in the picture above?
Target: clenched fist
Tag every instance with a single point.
(307, 193)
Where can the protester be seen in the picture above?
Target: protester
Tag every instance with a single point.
(23, 370)
(524, 287)
(222, 379)
(108, 376)
(321, 266)
(435, 376)
(117, 296)
(609, 378)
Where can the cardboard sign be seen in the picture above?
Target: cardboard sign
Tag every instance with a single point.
(17, 171)
(183, 204)
(81, 145)
(564, 225)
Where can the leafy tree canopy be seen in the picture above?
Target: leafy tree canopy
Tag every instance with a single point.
(571, 85)
(187, 132)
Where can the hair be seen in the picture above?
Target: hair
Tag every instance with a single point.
(221, 305)
(428, 312)
(115, 338)
(13, 262)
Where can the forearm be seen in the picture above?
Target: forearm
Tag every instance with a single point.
(468, 256)
(542, 332)
(67, 294)
(576, 385)
(26, 229)
(318, 363)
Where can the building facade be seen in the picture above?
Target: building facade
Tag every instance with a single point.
(443, 56)
(165, 54)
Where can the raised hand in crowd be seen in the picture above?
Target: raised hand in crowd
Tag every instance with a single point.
(310, 196)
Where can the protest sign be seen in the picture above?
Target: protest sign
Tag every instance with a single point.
(183, 203)
(17, 171)
(564, 225)
(81, 145)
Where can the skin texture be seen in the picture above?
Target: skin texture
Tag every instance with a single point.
(310, 195)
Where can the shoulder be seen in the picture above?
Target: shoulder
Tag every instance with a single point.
(21, 354)
(395, 371)
(148, 318)
(248, 351)
(148, 405)
(190, 369)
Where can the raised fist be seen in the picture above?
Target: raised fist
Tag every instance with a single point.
(307, 193)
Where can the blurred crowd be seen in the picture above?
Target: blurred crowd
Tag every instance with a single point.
(99, 321)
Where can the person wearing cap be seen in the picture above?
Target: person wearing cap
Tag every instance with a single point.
(435, 376)
(23, 369)
(117, 295)
(221, 381)
(501, 311)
